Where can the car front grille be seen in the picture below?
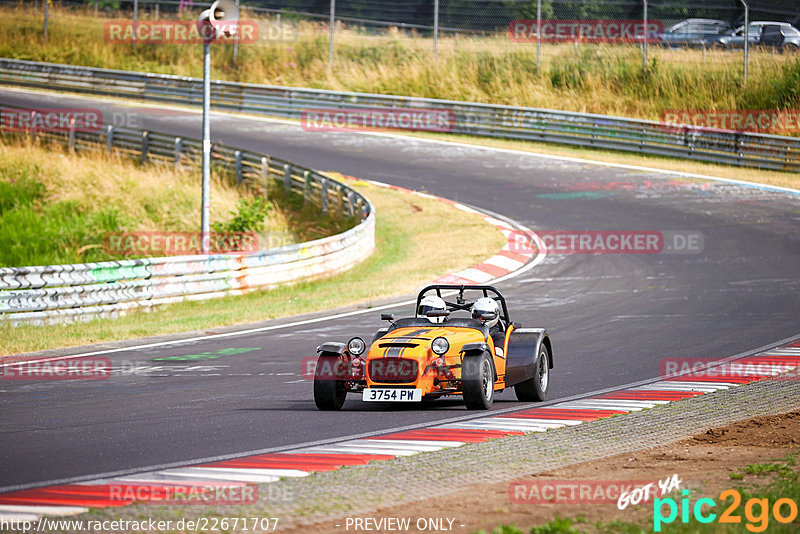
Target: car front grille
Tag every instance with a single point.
(393, 370)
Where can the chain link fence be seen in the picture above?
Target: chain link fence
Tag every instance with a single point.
(539, 53)
(562, 21)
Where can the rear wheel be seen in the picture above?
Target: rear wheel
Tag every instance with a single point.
(329, 392)
(478, 382)
(535, 389)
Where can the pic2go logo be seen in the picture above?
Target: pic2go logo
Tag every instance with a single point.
(756, 511)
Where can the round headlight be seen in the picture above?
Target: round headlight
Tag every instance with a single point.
(356, 346)
(440, 345)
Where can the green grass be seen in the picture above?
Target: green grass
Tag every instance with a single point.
(592, 78)
(58, 208)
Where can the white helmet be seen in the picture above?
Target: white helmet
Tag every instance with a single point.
(429, 304)
(487, 311)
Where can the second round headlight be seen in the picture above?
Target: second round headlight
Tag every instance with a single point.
(440, 345)
(356, 346)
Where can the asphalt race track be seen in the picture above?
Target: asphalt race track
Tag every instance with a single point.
(613, 317)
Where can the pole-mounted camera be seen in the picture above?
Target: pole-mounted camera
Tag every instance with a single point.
(222, 18)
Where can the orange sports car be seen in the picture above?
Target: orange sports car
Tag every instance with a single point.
(437, 353)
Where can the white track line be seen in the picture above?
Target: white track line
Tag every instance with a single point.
(41, 510)
(444, 444)
(426, 447)
(361, 450)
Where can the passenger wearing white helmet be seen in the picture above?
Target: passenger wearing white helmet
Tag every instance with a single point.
(432, 303)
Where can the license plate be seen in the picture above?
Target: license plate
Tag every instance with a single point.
(391, 395)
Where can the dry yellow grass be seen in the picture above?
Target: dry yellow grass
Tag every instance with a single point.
(589, 78)
(155, 197)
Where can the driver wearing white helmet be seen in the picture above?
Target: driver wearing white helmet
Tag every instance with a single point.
(432, 303)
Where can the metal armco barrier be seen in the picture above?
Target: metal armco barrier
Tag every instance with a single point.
(562, 127)
(64, 293)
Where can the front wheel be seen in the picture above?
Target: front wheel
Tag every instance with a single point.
(478, 382)
(329, 393)
(535, 389)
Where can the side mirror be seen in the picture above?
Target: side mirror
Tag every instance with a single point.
(387, 317)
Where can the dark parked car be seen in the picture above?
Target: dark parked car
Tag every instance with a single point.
(754, 35)
(786, 38)
(695, 33)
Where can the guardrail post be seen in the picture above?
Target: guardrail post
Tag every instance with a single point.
(238, 159)
(324, 199)
(306, 186)
(33, 126)
(72, 134)
(340, 198)
(350, 211)
(265, 174)
(360, 207)
(145, 145)
(109, 138)
(178, 152)
(287, 178)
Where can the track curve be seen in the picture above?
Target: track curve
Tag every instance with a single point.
(613, 318)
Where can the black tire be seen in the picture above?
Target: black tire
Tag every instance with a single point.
(477, 375)
(535, 389)
(329, 393)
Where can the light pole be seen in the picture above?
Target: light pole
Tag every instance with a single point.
(236, 39)
(212, 22)
(746, 36)
(435, 30)
(330, 39)
(644, 42)
(205, 224)
(538, 34)
(46, 18)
